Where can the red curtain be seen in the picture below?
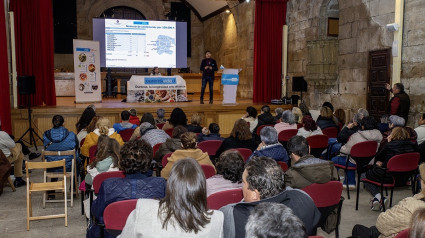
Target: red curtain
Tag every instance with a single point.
(269, 20)
(4, 76)
(34, 47)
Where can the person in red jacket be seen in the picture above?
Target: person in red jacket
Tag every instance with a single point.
(400, 103)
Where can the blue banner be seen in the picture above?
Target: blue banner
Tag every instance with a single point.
(83, 49)
(160, 80)
(230, 79)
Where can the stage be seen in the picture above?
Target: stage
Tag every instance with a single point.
(224, 115)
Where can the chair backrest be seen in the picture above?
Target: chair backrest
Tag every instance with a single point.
(210, 146)
(155, 148)
(170, 132)
(217, 200)
(283, 165)
(92, 153)
(45, 165)
(98, 180)
(244, 152)
(299, 125)
(326, 194)
(364, 149)
(165, 159)
(287, 134)
(82, 142)
(261, 127)
(404, 162)
(116, 214)
(331, 132)
(403, 234)
(160, 125)
(209, 170)
(318, 141)
(126, 134)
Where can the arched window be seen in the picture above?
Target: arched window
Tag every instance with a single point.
(122, 12)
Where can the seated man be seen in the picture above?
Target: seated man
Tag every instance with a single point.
(125, 124)
(306, 169)
(270, 146)
(13, 153)
(136, 158)
(263, 181)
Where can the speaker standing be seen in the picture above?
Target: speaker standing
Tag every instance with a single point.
(208, 67)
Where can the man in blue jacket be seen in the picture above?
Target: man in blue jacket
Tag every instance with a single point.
(208, 67)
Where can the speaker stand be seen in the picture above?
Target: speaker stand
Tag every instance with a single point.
(31, 131)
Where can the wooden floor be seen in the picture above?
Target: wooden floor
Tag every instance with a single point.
(224, 115)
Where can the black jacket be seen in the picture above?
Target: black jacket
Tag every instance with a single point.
(345, 133)
(266, 119)
(233, 143)
(324, 123)
(208, 62)
(403, 108)
(393, 148)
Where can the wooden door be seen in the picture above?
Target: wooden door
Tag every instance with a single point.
(378, 76)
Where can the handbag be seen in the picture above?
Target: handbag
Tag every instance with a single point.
(378, 173)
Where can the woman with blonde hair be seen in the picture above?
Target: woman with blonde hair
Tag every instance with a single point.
(326, 119)
(189, 150)
(297, 114)
(195, 123)
(103, 127)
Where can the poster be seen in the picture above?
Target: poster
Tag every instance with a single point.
(87, 71)
(154, 89)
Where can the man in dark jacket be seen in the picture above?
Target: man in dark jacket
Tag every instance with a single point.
(263, 181)
(266, 118)
(400, 103)
(208, 67)
(306, 169)
(136, 157)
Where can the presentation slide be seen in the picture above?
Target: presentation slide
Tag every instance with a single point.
(137, 43)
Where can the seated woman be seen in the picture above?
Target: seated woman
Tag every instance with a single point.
(160, 113)
(397, 218)
(150, 134)
(298, 115)
(240, 137)
(60, 139)
(396, 121)
(189, 150)
(107, 157)
(182, 213)
(398, 143)
(270, 146)
(147, 117)
(230, 167)
(369, 132)
(103, 127)
(171, 144)
(177, 118)
(195, 123)
(210, 133)
(84, 122)
(326, 119)
(309, 128)
(287, 121)
(136, 158)
(251, 118)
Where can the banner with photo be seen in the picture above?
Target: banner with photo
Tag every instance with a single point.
(87, 71)
(156, 89)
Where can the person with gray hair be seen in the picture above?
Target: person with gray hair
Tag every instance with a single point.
(160, 116)
(274, 220)
(150, 134)
(287, 122)
(362, 113)
(350, 129)
(397, 121)
(278, 112)
(270, 146)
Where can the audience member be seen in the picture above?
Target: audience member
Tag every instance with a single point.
(287, 122)
(396, 219)
(124, 124)
(195, 123)
(420, 130)
(350, 129)
(270, 146)
(92, 126)
(329, 105)
(309, 128)
(340, 116)
(274, 220)
(240, 137)
(13, 153)
(396, 121)
(150, 134)
(298, 115)
(84, 122)
(177, 118)
(326, 118)
(263, 181)
(134, 119)
(147, 117)
(135, 161)
(107, 158)
(362, 113)
(400, 103)
(5, 167)
(251, 118)
(171, 144)
(369, 132)
(304, 109)
(210, 133)
(230, 166)
(182, 213)
(189, 150)
(103, 127)
(266, 118)
(398, 143)
(417, 224)
(278, 111)
(160, 113)
(306, 169)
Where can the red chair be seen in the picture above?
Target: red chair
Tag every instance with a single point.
(126, 134)
(283, 165)
(210, 146)
(327, 197)
(403, 234)
(92, 153)
(299, 125)
(165, 159)
(209, 170)
(285, 135)
(261, 127)
(116, 214)
(244, 152)
(155, 148)
(331, 132)
(317, 143)
(404, 163)
(160, 125)
(170, 132)
(220, 199)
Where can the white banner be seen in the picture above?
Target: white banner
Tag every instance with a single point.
(87, 71)
(156, 89)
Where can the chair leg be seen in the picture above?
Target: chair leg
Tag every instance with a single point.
(66, 202)
(391, 198)
(337, 231)
(11, 184)
(386, 191)
(71, 180)
(358, 191)
(82, 202)
(44, 199)
(346, 183)
(382, 199)
(28, 210)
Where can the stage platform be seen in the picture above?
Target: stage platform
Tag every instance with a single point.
(224, 115)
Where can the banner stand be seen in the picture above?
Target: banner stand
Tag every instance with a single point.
(230, 81)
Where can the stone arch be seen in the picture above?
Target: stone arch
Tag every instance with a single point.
(329, 8)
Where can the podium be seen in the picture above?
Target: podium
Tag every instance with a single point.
(230, 81)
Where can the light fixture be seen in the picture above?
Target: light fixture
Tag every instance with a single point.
(227, 11)
(247, 1)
